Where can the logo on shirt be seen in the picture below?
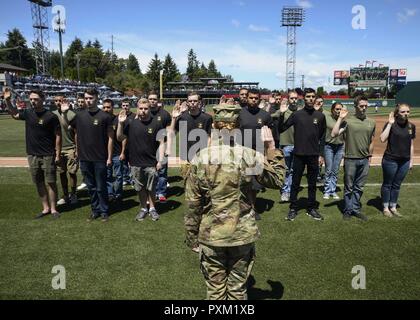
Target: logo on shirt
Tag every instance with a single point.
(149, 130)
(410, 132)
(315, 121)
(259, 121)
(95, 122)
(159, 118)
(41, 122)
(200, 126)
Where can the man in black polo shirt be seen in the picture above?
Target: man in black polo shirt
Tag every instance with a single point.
(115, 185)
(43, 147)
(164, 118)
(309, 131)
(191, 124)
(145, 138)
(95, 139)
(251, 121)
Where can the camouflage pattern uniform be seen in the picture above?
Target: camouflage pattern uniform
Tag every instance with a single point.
(220, 216)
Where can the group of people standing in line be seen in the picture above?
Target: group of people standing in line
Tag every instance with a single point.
(223, 170)
(309, 137)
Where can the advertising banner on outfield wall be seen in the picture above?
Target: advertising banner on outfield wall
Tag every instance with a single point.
(369, 77)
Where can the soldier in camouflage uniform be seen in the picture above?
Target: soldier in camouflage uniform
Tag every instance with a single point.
(220, 216)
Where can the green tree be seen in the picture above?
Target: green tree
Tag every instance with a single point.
(75, 47)
(170, 70)
(17, 52)
(320, 91)
(212, 70)
(192, 65)
(153, 73)
(96, 44)
(133, 64)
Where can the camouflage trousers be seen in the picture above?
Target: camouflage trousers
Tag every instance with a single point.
(226, 270)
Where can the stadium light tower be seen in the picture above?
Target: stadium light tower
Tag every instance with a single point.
(59, 25)
(39, 11)
(292, 17)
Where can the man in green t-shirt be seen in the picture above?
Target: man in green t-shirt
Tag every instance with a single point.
(68, 162)
(358, 132)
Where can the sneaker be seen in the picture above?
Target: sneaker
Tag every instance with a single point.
(111, 199)
(142, 215)
(387, 213)
(55, 215)
(105, 218)
(285, 197)
(335, 196)
(82, 186)
(154, 215)
(41, 215)
(346, 216)
(162, 199)
(326, 196)
(360, 216)
(196, 249)
(125, 183)
(314, 214)
(395, 212)
(63, 201)
(73, 199)
(291, 216)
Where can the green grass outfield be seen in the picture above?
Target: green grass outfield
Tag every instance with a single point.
(12, 132)
(124, 259)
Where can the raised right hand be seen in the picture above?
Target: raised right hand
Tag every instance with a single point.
(176, 112)
(122, 116)
(283, 105)
(391, 118)
(343, 113)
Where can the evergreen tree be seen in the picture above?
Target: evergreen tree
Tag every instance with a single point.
(70, 56)
(133, 64)
(192, 66)
(212, 70)
(96, 44)
(19, 54)
(153, 73)
(170, 70)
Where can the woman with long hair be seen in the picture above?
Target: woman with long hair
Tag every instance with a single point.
(398, 157)
(333, 152)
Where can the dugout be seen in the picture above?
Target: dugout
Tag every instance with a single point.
(410, 94)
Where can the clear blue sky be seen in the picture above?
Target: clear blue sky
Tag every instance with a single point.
(244, 37)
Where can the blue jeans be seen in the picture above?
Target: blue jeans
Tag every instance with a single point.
(333, 154)
(355, 176)
(394, 173)
(288, 158)
(162, 183)
(126, 172)
(115, 185)
(94, 174)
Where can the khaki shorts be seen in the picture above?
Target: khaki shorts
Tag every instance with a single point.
(144, 178)
(68, 162)
(42, 169)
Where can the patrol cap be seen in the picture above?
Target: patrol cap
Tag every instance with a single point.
(226, 112)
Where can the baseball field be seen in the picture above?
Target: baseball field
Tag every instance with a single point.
(124, 259)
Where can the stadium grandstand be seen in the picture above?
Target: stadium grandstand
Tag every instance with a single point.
(12, 77)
